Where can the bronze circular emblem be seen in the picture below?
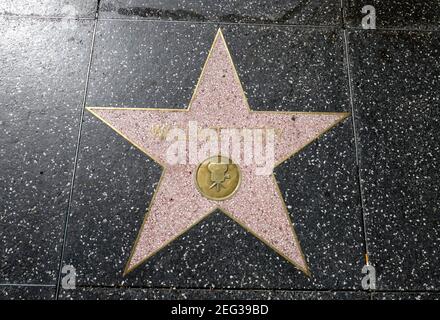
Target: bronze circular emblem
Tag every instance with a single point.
(218, 178)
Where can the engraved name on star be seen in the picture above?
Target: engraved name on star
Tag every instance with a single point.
(177, 205)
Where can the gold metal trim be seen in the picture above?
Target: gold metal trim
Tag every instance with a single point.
(219, 34)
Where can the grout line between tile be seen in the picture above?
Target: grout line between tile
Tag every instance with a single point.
(214, 22)
(356, 144)
(27, 285)
(46, 17)
(395, 29)
(72, 184)
(342, 14)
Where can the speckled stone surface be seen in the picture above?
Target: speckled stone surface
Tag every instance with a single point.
(49, 8)
(162, 61)
(42, 89)
(320, 187)
(324, 12)
(27, 292)
(395, 14)
(405, 296)
(206, 294)
(396, 96)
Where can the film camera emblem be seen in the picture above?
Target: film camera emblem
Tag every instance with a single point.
(217, 178)
(218, 175)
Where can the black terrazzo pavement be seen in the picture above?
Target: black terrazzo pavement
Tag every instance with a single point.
(406, 296)
(44, 68)
(323, 12)
(13, 292)
(49, 8)
(369, 184)
(204, 294)
(396, 77)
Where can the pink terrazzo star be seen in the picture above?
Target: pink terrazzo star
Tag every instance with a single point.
(177, 205)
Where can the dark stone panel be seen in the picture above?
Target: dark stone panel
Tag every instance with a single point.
(289, 68)
(147, 64)
(44, 67)
(396, 97)
(406, 296)
(315, 12)
(49, 8)
(27, 293)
